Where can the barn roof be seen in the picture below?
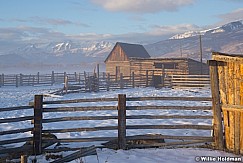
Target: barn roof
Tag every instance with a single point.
(132, 50)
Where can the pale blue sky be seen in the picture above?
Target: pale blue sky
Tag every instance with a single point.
(117, 20)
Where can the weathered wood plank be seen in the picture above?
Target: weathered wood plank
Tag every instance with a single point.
(217, 121)
(198, 127)
(19, 140)
(15, 131)
(169, 137)
(37, 132)
(80, 129)
(74, 109)
(92, 139)
(80, 100)
(121, 121)
(15, 150)
(170, 98)
(78, 118)
(237, 133)
(241, 133)
(81, 153)
(169, 107)
(168, 117)
(19, 119)
(16, 108)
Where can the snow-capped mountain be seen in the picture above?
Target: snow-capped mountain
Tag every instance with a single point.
(225, 28)
(227, 38)
(66, 48)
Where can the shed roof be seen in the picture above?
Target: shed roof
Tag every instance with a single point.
(132, 50)
(227, 54)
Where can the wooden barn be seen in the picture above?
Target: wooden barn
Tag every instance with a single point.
(133, 58)
(119, 59)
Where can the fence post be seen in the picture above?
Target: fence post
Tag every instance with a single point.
(23, 158)
(108, 82)
(133, 80)
(98, 77)
(37, 138)
(121, 81)
(153, 80)
(163, 76)
(85, 82)
(79, 78)
(33, 80)
(2, 79)
(38, 78)
(21, 79)
(17, 81)
(52, 77)
(75, 76)
(217, 117)
(66, 84)
(116, 73)
(64, 77)
(147, 78)
(121, 121)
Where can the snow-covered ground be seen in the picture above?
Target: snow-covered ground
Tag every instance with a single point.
(11, 96)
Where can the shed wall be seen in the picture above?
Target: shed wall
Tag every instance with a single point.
(230, 72)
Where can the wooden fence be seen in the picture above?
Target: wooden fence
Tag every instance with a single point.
(16, 131)
(88, 82)
(39, 79)
(184, 81)
(41, 107)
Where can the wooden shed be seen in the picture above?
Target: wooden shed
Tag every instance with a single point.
(227, 73)
(133, 58)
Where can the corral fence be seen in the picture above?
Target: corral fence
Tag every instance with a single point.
(121, 106)
(101, 81)
(38, 79)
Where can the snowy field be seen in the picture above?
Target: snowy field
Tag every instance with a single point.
(11, 96)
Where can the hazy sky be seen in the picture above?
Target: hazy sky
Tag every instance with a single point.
(117, 20)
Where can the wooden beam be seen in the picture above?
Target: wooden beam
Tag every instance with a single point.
(170, 98)
(121, 121)
(197, 127)
(169, 107)
(75, 109)
(81, 153)
(16, 131)
(218, 128)
(80, 100)
(37, 137)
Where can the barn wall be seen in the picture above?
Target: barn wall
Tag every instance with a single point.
(195, 67)
(139, 66)
(117, 54)
(123, 66)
